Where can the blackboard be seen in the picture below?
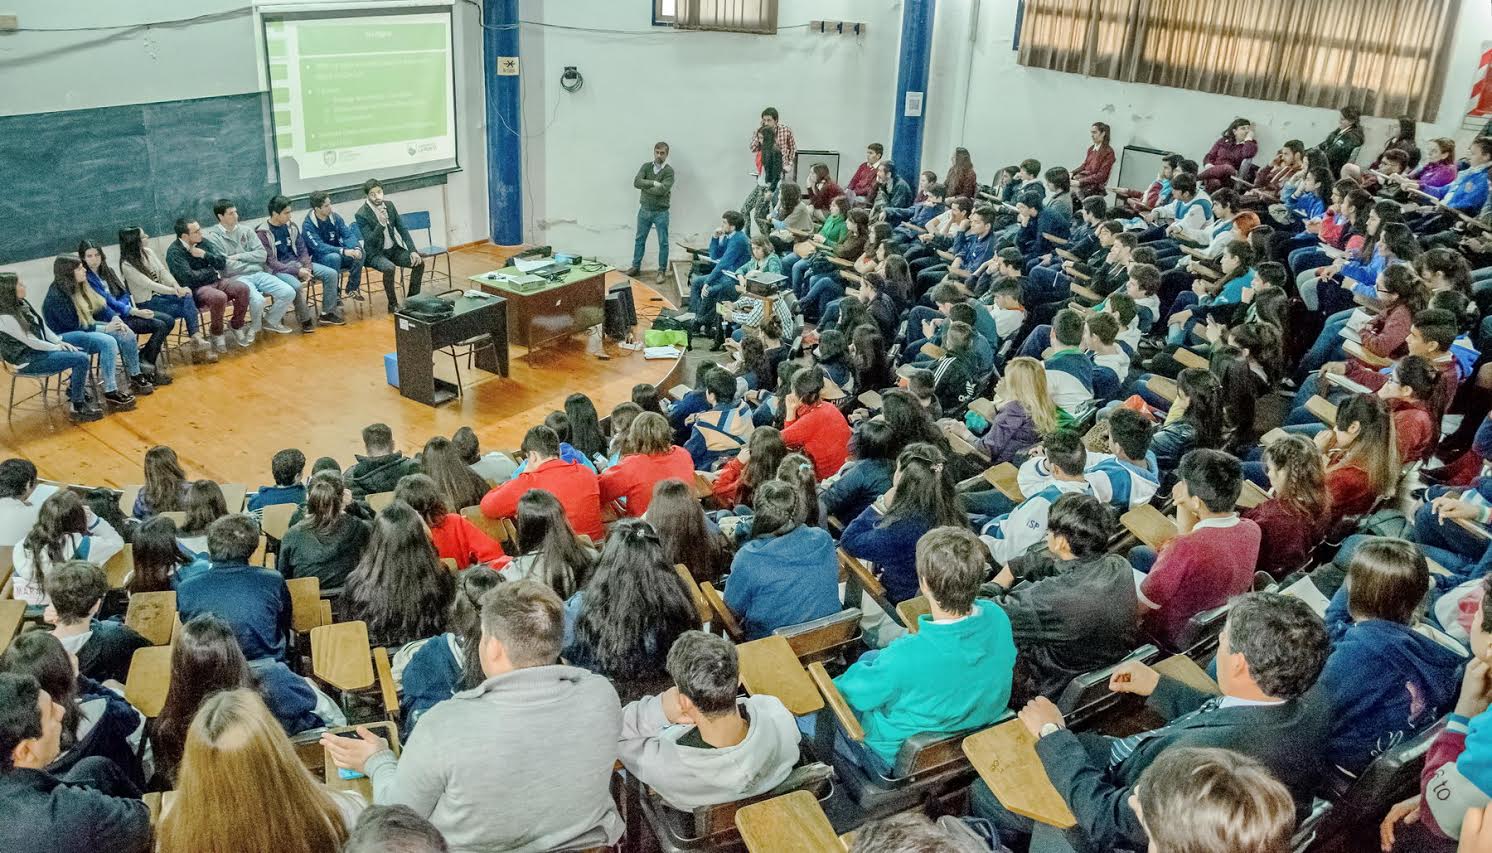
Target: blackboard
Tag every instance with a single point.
(88, 173)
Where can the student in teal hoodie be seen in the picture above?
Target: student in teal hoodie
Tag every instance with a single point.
(954, 673)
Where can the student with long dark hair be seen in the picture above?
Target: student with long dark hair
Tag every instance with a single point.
(450, 662)
(754, 465)
(866, 476)
(1293, 519)
(548, 549)
(689, 538)
(96, 721)
(152, 287)
(165, 483)
(872, 363)
(796, 470)
(203, 503)
(328, 542)
(1228, 153)
(35, 350)
(585, 426)
(66, 529)
(455, 537)
(922, 497)
(82, 318)
(400, 588)
(1194, 420)
(814, 425)
(1092, 175)
(630, 612)
(1362, 458)
(787, 573)
(910, 422)
(107, 285)
(205, 658)
(158, 556)
(459, 486)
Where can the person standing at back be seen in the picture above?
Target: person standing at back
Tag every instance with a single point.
(654, 183)
(555, 727)
(776, 151)
(387, 242)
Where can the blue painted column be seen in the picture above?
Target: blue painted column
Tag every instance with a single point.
(504, 123)
(911, 79)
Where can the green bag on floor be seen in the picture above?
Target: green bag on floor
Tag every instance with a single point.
(665, 338)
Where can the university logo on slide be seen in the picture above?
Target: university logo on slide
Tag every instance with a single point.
(329, 157)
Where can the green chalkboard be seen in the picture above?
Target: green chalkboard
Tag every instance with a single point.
(87, 173)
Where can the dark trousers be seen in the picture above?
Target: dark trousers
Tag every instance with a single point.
(157, 327)
(397, 256)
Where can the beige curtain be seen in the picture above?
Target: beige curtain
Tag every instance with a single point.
(1387, 57)
(741, 16)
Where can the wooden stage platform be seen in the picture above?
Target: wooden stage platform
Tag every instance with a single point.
(316, 392)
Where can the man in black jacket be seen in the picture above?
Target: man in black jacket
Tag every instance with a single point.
(91, 808)
(387, 242)
(1270, 654)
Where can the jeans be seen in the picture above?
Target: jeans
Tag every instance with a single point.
(158, 328)
(302, 313)
(1447, 536)
(796, 270)
(273, 287)
(1142, 557)
(109, 347)
(1328, 345)
(57, 361)
(337, 262)
(707, 296)
(647, 220)
(330, 280)
(1048, 284)
(823, 290)
(183, 308)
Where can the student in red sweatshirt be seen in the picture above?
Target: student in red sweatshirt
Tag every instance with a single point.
(574, 485)
(863, 183)
(1212, 560)
(649, 457)
(454, 536)
(814, 425)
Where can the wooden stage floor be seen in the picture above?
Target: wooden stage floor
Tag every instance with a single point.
(316, 392)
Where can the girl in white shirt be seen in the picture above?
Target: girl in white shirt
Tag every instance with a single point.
(66, 529)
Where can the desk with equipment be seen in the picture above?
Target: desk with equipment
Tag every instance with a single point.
(418, 337)
(548, 307)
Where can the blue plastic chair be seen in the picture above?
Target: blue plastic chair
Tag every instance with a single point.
(419, 220)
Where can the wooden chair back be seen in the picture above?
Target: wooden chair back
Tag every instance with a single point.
(701, 606)
(341, 657)
(498, 528)
(176, 516)
(233, 496)
(121, 567)
(378, 500)
(149, 680)
(275, 520)
(305, 604)
(152, 615)
(824, 638)
(912, 608)
(12, 613)
(721, 613)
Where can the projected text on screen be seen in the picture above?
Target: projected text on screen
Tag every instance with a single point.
(353, 95)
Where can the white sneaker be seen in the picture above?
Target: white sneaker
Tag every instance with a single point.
(278, 328)
(219, 344)
(241, 337)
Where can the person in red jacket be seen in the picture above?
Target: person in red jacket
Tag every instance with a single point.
(574, 485)
(455, 537)
(649, 458)
(815, 426)
(863, 183)
(1090, 177)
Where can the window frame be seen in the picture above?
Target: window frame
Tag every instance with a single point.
(662, 18)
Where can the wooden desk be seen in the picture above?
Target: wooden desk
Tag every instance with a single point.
(769, 667)
(912, 608)
(1251, 496)
(1361, 353)
(1006, 478)
(1162, 387)
(1325, 411)
(305, 604)
(1186, 671)
(362, 785)
(340, 655)
(417, 340)
(553, 312)
(791, 823)
(1149, 525)
(1187, 358)
(1005, 758)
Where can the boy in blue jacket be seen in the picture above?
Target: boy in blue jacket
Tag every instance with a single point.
(729, 249)
(952, 675)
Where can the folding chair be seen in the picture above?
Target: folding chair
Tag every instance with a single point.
(419, 220)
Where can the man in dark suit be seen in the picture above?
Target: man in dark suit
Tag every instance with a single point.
(387, 242)
(1270, 654)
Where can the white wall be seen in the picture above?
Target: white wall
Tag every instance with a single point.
(703, 93)
(1015, 112)
(51, 71)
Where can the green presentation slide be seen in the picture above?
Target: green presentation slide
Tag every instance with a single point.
(363, 93)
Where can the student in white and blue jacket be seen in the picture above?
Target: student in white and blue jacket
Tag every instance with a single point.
(1069, 370)
(1123, 479)
(1010, 535)
(1192, 308)
(729, 249)
(1304, 199)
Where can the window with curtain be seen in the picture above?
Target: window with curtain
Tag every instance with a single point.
(740, 16)
(1386, 57)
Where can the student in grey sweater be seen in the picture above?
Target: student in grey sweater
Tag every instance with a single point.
(696, 744)
(246, 259)
(520, 763)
